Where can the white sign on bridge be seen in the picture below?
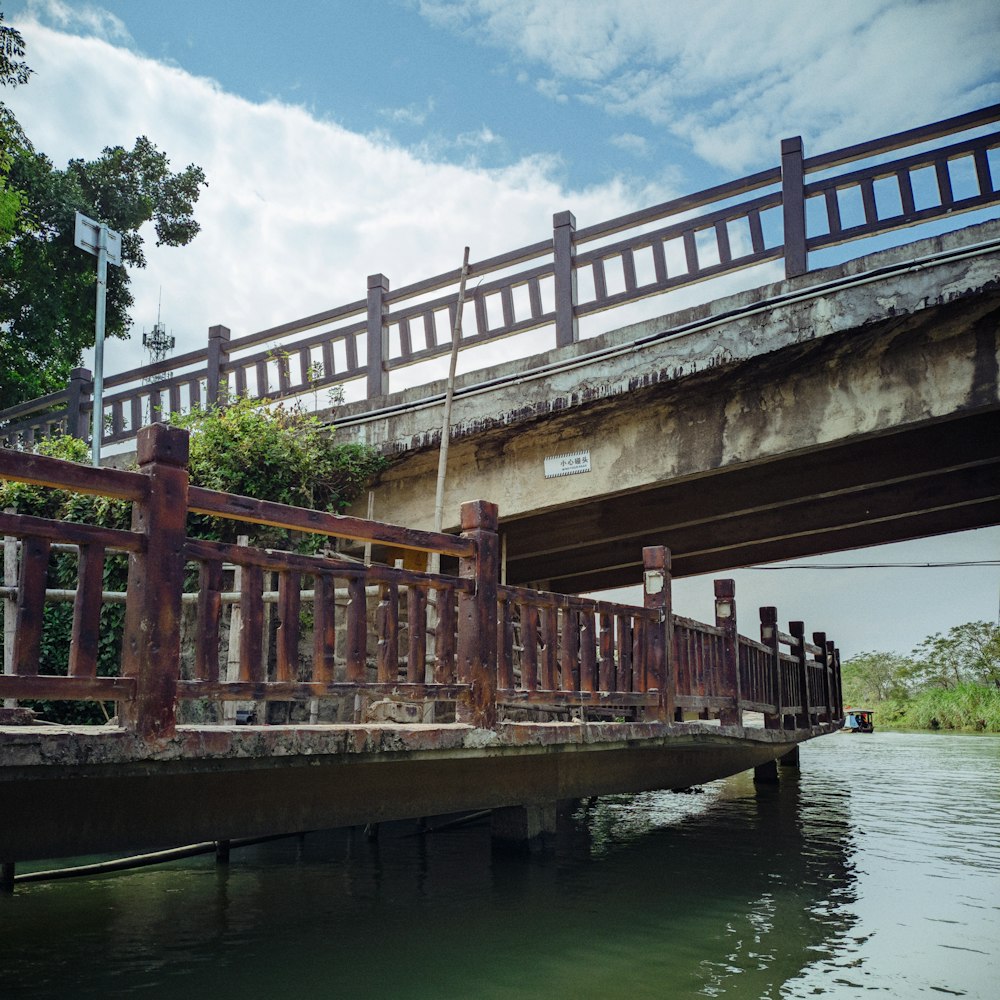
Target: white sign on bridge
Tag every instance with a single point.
(567, 465)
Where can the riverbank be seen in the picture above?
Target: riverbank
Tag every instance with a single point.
(971, 708)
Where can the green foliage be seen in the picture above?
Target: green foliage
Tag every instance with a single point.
(47, 285)
(969, 707)
(250, 448)
(870, 678)
(273, 452)
(969, 652)
(13, 69)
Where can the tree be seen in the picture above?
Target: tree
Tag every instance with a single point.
(13, 71)
(869, 678)
(969, 652)
(47, 285)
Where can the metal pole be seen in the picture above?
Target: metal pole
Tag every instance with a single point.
(97, 426)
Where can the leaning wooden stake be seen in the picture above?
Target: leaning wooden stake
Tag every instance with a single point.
(449, 395)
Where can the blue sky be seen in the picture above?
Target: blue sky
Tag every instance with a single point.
(346, 138)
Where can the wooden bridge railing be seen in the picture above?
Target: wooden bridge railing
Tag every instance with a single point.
(375, 630)
(802, 205)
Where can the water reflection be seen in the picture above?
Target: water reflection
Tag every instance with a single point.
(829, 883)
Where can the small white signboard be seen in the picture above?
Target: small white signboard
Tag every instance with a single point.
(87, 236)
(567, 465)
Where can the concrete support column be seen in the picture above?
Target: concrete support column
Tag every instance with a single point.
(790, 759)
(522, 827)
(766, 773)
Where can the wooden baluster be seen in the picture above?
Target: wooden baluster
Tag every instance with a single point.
(819, 639)
(505, 646)
(324, 628)
(357, 630)
(86, 633)
(387, 629)
(289, 607)
(550, 638)
(798, 630)
(416, 618)
(569, 651)
(588, 651)
(444, 638)
(607, 669)
(529, 642)
(624, 653)
(32, 578)
(252, 666)
(206, 652)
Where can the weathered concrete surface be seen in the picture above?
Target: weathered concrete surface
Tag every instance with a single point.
(69, 792)
(850, 406)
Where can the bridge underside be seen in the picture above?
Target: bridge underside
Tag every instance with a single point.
(909, 484)
(861, 412)
(226, 784)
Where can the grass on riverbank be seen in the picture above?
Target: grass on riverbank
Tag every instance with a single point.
(967, 707)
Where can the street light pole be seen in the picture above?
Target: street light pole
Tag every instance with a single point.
(97, 426)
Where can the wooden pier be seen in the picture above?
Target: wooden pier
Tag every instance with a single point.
(404, 693)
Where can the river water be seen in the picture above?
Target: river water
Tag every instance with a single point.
(874, 870)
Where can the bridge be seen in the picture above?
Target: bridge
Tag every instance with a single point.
(843, 405)
(512, 699)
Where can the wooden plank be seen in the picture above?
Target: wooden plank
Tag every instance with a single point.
(40, 470)
(30, 604)
(624, 680)
(608, 674)
(299, 691)
(69, 532)
(87, 612)
(562, 699)
(202, 501)
(67, 688)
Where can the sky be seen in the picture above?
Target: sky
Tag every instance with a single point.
(342, 138)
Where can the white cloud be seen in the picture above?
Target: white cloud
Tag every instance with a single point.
(298, 211)
(629, 142)
(731, 78)
(412, 114)
(88, 18)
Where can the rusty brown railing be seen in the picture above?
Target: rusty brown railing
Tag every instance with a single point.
(377, 631)
(805, 204)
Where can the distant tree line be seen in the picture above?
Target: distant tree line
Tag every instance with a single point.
(951, 680)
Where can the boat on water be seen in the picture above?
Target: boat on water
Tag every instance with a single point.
(859, 720)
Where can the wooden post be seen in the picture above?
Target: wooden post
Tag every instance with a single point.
(477, 613)
(151, 648)
(725, 618)
(769, 638)
(838, 697)
(660, 668)
(218, 356)
(80, 382)
(378, 336)
(563, 235)
(793, 209)
(798, 630)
